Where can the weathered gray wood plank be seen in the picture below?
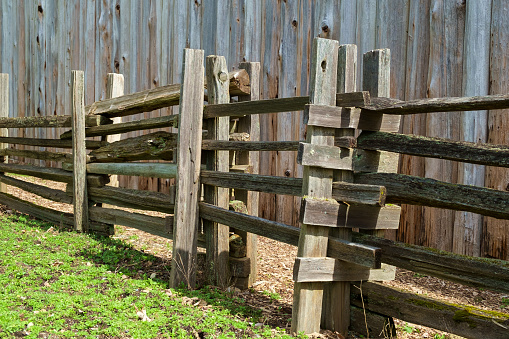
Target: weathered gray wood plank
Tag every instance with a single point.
(472, 152)
(90, 144)
(155, 170)
(132, 198)
(218, 129)
(325, 156)
(469, 322)
(144, 101)
(413, 190)
(124, 127)
(337, 248)
(317, 182)
(62, 220)
(157, 145)
(240, 109)
(43, 191)
(49, 121)
(485, 273)
(250, 125)
(329, 269)
(42, 155)
(79, 152)
(4, 114)
(55, 174)
(188, 174)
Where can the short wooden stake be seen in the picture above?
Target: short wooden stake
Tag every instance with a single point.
(217, 235)
(4, 113)
(79, 152)
(185, 227)
(317, 182)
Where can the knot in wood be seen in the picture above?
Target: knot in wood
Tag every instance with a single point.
(223, 76)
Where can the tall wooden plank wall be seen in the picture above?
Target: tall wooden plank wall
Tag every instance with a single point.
(438, 48)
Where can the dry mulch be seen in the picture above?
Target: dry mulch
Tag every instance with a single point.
(273, 291)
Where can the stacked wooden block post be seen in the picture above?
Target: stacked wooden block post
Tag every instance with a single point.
(329, 161)
(244, 269)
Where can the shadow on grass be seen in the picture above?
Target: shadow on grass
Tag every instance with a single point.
(122, 258)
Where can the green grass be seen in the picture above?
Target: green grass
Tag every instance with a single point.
(68, 285)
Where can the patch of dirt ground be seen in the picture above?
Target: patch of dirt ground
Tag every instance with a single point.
(273, 291)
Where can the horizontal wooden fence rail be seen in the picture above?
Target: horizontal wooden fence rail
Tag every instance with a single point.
(406, 189)
(64, 220)
(50, 121)
(240, 109)
(268, 145)
(154, 170)
(54, 174)
(90, 144)
(132, 198)
(367, 256)
(369, 194)
(483, 154)
(124, 127)
(486, 273)
(157, 98)
(41, 155)
(468, 321)
(42, 191)
(394, 106)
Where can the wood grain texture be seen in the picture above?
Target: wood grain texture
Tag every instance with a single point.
(90, 144)
(336, 302)
(188, 172)
(412, 228)
(337, 248)
(466, 322)
(4, 113)
(79, 152)
(471, 152)
(131, 198)
(317, 182)
(495, 239)
(447, 27)
(61, 220)
(406, 189)
(376, 79)
(329, 269)
(491, 274)
(218, 129)
(42, 191)
(250, 125)
(325, 156)
(155, 170)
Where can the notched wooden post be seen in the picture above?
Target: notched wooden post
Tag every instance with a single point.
(4, 113)
(317, 183)
(216, 235)
(79, 152)
(185, 228)
(249, 124)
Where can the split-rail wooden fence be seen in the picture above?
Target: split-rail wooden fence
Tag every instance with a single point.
(350, 188)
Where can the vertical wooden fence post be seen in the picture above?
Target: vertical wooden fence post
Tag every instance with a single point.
(79, 152)
(4, 113)
(376, 78)
(336, 301)
(317, 183)
(185, 226)
(250, 124)
(114, 88)
(217, 235)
